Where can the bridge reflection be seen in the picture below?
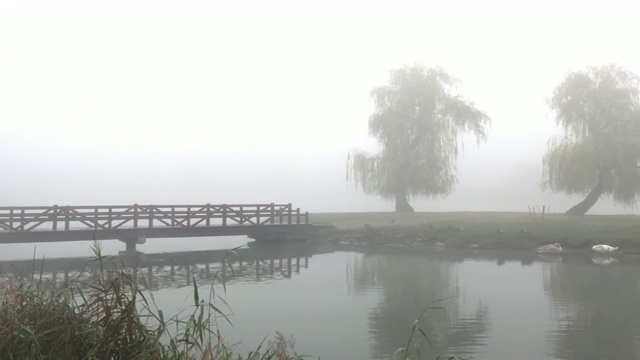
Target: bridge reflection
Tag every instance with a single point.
(176, 269)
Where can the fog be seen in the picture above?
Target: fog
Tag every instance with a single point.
(250, 103)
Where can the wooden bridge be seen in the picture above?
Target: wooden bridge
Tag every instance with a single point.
(135, 223)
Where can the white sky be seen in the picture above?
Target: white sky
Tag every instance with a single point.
(211, 103)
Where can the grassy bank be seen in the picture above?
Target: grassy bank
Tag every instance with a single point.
(486, 229)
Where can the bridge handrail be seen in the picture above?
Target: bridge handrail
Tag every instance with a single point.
(107, 217)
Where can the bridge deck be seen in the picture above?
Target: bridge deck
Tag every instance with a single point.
(74, 223)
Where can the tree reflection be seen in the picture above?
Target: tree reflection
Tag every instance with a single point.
(597, 310)
(407, 284)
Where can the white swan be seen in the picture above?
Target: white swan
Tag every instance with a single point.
(550, 249)
(603, 248)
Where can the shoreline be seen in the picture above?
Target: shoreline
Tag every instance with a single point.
(482, 230)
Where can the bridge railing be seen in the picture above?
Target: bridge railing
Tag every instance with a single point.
(64, 218)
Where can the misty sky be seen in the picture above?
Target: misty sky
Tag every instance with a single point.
(218, 103)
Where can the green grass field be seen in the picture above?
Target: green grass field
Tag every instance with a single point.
(517, 230)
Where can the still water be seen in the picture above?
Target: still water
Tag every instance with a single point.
(339, 303)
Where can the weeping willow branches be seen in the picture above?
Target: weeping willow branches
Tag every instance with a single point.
(419, 122)
(599, 152)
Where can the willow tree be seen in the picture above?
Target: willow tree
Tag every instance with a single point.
(599, 152)
(419, 122)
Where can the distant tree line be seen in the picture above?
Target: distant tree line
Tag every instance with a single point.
(420, 119)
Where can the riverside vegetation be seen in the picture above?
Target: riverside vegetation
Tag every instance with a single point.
(108, 316)
(484, 230)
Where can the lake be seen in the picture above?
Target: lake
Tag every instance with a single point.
(340, 302)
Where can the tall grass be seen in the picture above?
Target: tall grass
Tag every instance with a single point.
(108, 316)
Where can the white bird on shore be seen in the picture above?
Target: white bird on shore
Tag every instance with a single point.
(603, 248)
(550, 249)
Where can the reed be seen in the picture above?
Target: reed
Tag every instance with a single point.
(109, 316)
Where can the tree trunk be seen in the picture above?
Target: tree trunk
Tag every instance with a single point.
(582, 207)
(402, 204)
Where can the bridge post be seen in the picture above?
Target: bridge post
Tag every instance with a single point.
(135, 215)
(55, 217)
(66, 218)
(257, 214)
(22, 221)
(273, 214)
(131, 243)
(224, 215)
(131, 246)
(150, 209)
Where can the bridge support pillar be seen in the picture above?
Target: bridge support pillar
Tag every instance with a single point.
(131, 243)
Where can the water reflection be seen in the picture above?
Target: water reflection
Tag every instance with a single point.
(362, 304)
(177, 269)
(604, 260)
(597, 309)
(498, 304)
(407, 284)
